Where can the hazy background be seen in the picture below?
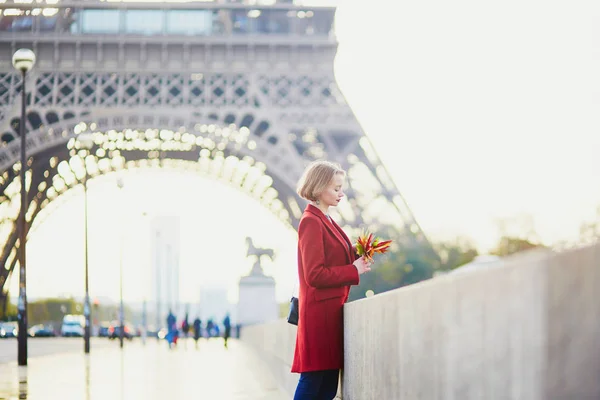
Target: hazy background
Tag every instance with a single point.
(481, 111)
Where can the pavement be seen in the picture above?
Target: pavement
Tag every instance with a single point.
(37, 347)
(150, 371)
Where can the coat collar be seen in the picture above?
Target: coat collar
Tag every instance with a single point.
(333, 228)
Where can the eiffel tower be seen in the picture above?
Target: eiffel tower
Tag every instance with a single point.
(241, 93)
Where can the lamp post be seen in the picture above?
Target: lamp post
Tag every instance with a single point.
(23, 61)
(158, 286)
(86, 140)
(144, 309)
(144, 323)
(120, 184)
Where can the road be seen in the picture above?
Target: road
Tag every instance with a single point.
(37, 347)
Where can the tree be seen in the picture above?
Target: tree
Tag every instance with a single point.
(11, 309)
(455, 253)
(589, 232)
(508, 245)
(516, 234)
(37, 312)
(408, 263)
(284, 309)
(57, 308)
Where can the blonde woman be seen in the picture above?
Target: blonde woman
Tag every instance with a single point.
(327, 266)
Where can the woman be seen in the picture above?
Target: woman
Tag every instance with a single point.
(327, 266)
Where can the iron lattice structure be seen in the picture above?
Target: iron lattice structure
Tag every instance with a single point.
(250, 103)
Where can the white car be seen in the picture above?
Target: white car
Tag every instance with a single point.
(73, 325)
(8, 329)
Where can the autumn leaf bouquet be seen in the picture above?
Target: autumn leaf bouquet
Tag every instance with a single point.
(367, 245)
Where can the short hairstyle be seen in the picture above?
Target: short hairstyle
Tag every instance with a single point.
(316, 177)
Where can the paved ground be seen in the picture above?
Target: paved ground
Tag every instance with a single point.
(143, 372)
(37, 347)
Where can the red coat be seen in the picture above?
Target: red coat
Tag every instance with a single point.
(325, 270)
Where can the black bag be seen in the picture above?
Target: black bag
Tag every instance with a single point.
(293, 314)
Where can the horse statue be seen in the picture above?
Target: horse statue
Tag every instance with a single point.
(258, 252)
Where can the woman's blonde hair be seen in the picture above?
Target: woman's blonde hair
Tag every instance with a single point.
(316, 177)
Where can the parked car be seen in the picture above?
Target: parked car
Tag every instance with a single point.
(115, 329)
(103, 330)
(41, 331)
(73, 325)
(9, 329)
(152, 332)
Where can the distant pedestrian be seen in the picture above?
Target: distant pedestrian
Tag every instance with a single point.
(171, 321)
(209, 328)
(227, 326)
(197, 330)
(185, 326)
(172, 332)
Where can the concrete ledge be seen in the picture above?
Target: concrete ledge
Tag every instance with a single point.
(275, 342)
(526, 329)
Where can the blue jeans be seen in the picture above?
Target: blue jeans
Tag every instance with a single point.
(317, 385)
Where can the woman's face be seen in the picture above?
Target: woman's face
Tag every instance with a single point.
(333, 193)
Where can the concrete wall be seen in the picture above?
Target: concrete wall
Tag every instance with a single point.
(528, 329)
(275, 342)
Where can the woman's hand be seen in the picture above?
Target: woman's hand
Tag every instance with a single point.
(362, 266)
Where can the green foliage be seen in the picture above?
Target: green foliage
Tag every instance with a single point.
(408, 263)
(11, 310)
(284, 309)
(516, 234)
(37, 313)
(589, 232)
(455, 253)
(51, 310)
(510, 245)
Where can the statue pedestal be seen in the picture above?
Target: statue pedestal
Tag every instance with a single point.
(257, 301)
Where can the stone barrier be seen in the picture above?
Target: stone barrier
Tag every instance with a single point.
(527, 328)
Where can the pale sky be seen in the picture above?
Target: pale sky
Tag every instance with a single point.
(480, 110)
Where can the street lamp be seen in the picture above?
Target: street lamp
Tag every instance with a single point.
(144, 309)
(120, 184)
(158, 286)
(23, 61)
(86, 140)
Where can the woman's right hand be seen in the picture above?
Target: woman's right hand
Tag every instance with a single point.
(362, 266)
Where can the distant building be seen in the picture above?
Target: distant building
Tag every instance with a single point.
(165, 244)
(214, 304)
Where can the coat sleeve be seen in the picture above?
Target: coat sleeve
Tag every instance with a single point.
(312, 251)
